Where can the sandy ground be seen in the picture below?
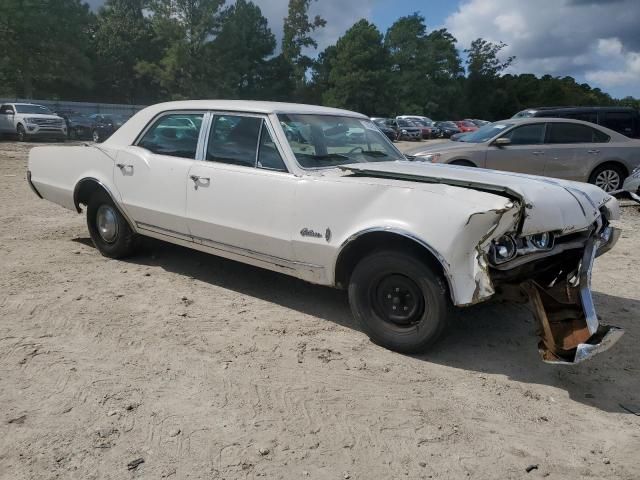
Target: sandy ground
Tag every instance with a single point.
(209, 369)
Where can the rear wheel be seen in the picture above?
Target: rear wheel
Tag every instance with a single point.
(109, 230)
(608, 177)
(399, 301)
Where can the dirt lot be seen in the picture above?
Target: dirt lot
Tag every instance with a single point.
(206, 368)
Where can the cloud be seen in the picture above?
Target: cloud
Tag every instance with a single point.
(593, 40)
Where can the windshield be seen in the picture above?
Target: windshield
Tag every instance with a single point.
(524, 114)
(405, 123)
(37, 109)
(486, 133)
(448, 124)
(322, 141)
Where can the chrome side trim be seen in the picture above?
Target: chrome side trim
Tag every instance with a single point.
(109, 192)
(232, 249)
(586, 267)
(410, 236)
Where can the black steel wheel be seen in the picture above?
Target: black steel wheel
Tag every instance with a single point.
(399, 301)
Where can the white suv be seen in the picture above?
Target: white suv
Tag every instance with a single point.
(27, 120)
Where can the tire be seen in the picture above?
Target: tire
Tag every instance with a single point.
(463, 163)
(22, 133)
(608, 177)
(95, 135)
(109, 230)
(373, 297)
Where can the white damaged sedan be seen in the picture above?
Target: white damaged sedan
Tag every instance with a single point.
(322, 195)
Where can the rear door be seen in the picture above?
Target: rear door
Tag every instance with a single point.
(240, 199)
(572, 150)
(525, 154)
(151, 175)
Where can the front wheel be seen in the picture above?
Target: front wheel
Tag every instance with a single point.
(399, 301)
(608, 177)
(109, 230)
(22, 134)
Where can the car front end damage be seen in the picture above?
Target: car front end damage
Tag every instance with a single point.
(555, 281)
(539, 249)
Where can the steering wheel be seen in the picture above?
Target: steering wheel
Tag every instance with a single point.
(353, 150)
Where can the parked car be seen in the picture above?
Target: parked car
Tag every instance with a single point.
(29, 121)
(389, 132)
(414, 118)
(104, 125)
(79, 127)
(466, 126)
(554, 147)
(478, 123)
(406, 239)
(632, 184)
(624, 120)
(446, 129)
(407, 130)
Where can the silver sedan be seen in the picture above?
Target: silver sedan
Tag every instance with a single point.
(553, 147)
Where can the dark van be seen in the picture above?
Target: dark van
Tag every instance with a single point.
(624, 120)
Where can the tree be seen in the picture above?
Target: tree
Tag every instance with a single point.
(241, 50)
(359, 71)
(123, 38)
(297, 38)
(184, 29)
(483, 70)
(425, 67)
(45, 47)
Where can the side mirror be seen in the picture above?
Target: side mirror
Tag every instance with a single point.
(502, 142)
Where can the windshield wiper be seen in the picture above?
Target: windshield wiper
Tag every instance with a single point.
(374, 153)
(330, 156)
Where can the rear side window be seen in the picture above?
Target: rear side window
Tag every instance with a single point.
(621, 122)
(574, 133)
(175, 135)
(234, 139)
(527, 134)
(268, 156)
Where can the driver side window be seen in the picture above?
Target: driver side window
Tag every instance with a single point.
(527, 134)
(6, 109)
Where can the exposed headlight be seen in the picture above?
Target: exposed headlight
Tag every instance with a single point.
(404, 132)
(503, 249)
(429, 157)
(542, 241)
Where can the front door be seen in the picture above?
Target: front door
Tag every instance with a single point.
(240, 199)
(6, 119)
(525, 153)
(151, 176)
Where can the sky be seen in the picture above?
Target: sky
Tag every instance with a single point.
(594, 41)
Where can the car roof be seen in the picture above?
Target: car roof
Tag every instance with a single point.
(251, 106)
(580, 109)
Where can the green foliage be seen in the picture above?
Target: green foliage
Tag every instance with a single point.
(144, 51)
(45, 47)
(123, 38)
(240, 51)
(359, 71)
(297, 38)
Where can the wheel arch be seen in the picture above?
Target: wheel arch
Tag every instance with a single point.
(463, 162)
(86, 187)
(614, 162)
(360, 244)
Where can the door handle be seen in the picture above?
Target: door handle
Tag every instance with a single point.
(198, 180)
(538, 152)
(123, 167)
(593, 152)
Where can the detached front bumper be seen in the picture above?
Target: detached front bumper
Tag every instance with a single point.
(570, 331)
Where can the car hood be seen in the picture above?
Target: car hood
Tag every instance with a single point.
(549, 204)
(41, 115)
